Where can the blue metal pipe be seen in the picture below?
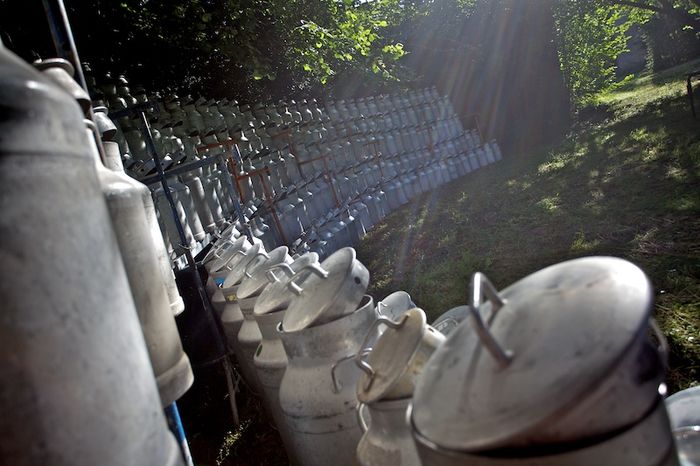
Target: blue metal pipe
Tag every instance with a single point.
(172, 414)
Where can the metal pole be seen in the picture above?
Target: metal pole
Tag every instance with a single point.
(271, 200)
(690, 93)
(478, 128)
(64, 44)
(237, 205)
(233, 191)
(172, 414)
(63, 37)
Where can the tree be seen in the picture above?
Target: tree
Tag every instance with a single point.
(590, 37)
(687, 11)
(251, 49)
(592, 34)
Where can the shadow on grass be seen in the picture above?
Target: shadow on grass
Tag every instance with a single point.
(626, 187)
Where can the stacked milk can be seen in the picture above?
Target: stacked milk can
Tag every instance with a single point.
(91, 354)
(565, 366)
(312, 176)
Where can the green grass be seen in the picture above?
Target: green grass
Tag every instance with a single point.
(626, 186)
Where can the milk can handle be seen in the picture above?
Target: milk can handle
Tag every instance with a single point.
(365, 350)
(238, 251)
(315, 268)
(217, 251)
(360, 418)
(663, 343)
(248, 265)
(481, 284)
(285, 268)
(336, 384)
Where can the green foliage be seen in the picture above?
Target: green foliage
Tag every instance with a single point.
(591, 36)
(348, 37)
(257, 49)
(307, 43)
(264, 46)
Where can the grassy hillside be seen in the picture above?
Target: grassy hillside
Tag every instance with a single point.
(625, 183)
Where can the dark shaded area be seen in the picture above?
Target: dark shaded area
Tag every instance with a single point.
(624, 185)
(499, 62)
(669, 42)
(206, 409)
(503, 67)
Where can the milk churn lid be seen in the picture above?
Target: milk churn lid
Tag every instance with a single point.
(226, 252)
(276, 296)
(57, 63)
(258, 279)
(239, 261)
(541, 345)
(249, 265)
(333, 290)
(395, 305)
(684, 408)
(389, 358)
(449, 320)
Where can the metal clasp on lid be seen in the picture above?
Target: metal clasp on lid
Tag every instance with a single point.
(272, 278)
(315, 268)
(481, 284)
(364, 350)
(257, 254)
(336, 385)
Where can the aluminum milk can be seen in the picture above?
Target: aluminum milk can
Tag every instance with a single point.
(232, 318)
(387, 384)
(221, 262)
(61, 72)
(646, 443)
(165, 214)
(249, 336)
(560, 359)
(317, 392)
(386, 438)
(323, 328)
(270, 359)
(113, 160)
(684, 408)
(394, 363)
(450, 320)
(199, 196)
(684, 412)
(70, 400)
(125, 203)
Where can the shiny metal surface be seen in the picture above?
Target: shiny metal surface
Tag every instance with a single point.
(67, 307)
(387, 440)
(397, 357)
(322, 420)
(332, 291)
(512, 381)
(647, 443)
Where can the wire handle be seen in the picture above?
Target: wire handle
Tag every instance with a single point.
(336, 384)
(663, 343)
(365, 350)
(482, 285)
(272, 278)
(360, 418)
(315, 268)
(253, 261)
